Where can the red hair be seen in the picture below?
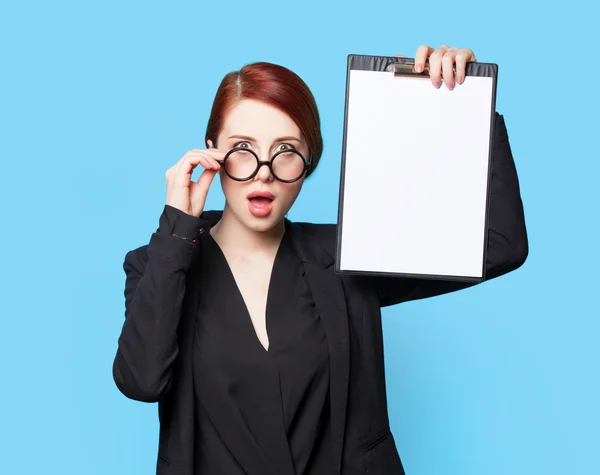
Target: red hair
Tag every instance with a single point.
(274, 85)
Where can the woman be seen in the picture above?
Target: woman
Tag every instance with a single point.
(262, 359)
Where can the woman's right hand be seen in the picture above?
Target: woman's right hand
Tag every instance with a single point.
(185, 194)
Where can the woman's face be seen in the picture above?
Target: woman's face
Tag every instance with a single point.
(265, 130)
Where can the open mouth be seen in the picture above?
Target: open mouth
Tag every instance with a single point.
(260, 200)
(260, 203)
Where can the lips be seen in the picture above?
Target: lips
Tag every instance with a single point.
(261, 195)
(260, 203)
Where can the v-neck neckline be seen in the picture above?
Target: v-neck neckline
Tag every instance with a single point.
(246, 319)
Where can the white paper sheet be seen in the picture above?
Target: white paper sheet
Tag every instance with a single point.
(416, 175)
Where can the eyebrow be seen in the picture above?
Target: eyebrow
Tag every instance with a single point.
(252, 139)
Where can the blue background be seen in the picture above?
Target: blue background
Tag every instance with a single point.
(98, 99)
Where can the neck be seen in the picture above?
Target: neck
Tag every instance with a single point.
(231, 234)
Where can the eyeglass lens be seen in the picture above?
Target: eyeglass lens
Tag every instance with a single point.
(286, 166)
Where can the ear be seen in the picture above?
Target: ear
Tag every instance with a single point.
(209, 143)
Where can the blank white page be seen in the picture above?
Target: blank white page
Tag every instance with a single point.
(416, 175)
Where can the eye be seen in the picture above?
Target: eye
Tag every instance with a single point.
(285, 146)
(242, 145)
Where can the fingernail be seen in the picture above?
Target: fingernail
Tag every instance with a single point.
(418, 68)
(460, 79)
(437, 83)
(450, 86)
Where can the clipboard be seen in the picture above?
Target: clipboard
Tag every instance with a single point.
(416, 167)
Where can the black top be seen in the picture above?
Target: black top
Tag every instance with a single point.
(260, 411)
(153, 362)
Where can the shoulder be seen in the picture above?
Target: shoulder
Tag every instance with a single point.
(323, 232)
(313, 234)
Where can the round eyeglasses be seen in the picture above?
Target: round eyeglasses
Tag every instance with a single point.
(242, 164)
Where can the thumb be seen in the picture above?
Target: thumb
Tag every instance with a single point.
(204, 181)
(199, 191)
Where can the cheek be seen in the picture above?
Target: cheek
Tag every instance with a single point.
(233, 190)
(290, 192)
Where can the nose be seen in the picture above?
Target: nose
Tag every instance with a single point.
(264, 172)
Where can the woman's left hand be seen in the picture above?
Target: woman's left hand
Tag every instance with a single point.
(447, 64)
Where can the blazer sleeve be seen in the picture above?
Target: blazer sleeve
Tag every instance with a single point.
(155, 286)
(507, 245)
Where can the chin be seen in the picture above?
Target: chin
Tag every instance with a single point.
(263, 225)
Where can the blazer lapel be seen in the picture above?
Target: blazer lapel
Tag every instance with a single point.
(328, 292)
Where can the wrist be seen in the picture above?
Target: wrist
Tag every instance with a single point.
(182, 225)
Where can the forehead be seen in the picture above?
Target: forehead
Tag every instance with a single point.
(259, 120)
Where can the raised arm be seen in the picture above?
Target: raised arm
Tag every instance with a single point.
(154, 293)
(156, 282)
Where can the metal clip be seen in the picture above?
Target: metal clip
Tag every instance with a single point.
(405, 67)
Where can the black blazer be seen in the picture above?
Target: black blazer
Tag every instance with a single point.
(153, 360)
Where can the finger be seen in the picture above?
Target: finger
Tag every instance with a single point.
(435, 66)
(213, 152)
(180, 174)
(423, 52)
(212, 159)
(183, 174)
(215, 158)
(462, 58)
(199, 190)
(183, 161)
(448, 67)
(206, 158)
(205, 179)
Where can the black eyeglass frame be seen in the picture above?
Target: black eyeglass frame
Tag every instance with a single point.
(268, 163)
